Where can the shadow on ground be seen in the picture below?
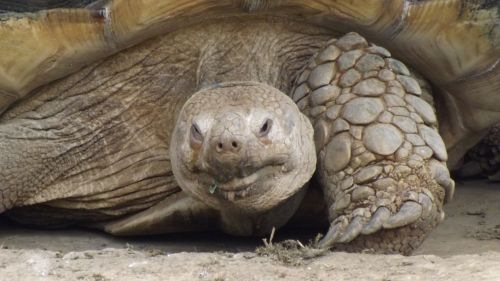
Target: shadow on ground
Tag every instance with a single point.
(472, 225)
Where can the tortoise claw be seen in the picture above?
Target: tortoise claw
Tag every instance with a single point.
(426, 203)
(377, 221)
(345, 230)
(352, 231)
(331, 236)
(409, 212)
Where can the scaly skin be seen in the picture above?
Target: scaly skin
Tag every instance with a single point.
(97, 143)
(381, 161)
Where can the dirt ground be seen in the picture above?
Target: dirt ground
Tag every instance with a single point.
(465, 247)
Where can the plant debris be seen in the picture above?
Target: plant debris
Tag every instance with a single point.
(290, 252)
(213, 188)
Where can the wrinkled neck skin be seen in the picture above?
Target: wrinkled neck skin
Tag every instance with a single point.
(246, 150)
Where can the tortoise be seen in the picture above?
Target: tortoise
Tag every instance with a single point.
(152, 117)
(483, 159)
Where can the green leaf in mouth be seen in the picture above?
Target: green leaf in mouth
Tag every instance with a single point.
(213, 187)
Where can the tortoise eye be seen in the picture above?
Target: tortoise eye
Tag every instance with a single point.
(265, 128)
(196, 135)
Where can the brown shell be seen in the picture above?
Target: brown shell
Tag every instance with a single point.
(455, 44)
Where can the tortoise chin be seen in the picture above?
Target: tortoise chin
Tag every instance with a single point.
(242, 147)
(254, 193)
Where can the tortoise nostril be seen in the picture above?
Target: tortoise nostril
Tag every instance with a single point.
(228, 145)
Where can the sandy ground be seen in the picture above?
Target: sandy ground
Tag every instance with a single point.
(465, 247)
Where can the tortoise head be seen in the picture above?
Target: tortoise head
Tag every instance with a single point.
(242, 146)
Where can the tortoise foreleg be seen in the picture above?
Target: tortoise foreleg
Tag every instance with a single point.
(381, 161)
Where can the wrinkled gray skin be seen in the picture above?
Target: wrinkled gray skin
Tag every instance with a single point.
(101, 138)
(211, 109)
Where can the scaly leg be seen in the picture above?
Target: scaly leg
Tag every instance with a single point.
(381, 160)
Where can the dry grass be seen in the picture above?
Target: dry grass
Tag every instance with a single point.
(290, 252)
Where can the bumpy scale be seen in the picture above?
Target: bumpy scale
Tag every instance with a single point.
(381, 160)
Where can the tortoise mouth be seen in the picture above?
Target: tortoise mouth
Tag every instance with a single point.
(240, 183)
(240, 187)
